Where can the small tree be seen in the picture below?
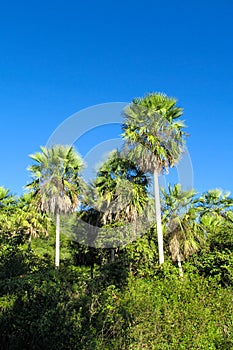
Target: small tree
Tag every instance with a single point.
(184, 232)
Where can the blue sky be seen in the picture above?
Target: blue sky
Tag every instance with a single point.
(58, 57)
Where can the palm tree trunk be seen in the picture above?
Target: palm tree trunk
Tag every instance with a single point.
(158, 218)
(112, 255)
(180, 265)
(57, 249)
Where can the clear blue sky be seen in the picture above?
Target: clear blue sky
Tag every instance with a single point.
(58, 57)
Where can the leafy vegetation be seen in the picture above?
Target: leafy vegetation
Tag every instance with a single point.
(111, 290)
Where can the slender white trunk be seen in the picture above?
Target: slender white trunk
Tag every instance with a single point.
(180, 265)
(57, 249)
(158, 218)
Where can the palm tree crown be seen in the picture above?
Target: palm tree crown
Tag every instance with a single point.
(121, 188)
(56, 178)
(154, 135)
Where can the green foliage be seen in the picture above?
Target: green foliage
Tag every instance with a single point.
(42, 316)
(117, 296)
(216, 260)
(184, 314)
(142, 255)
(131, 303)
(218, 265)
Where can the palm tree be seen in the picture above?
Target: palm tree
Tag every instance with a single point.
(121, 187)
(29, 220)
(20, 216)
(56, 183)
(6, 198)
(184, 232)
(8, 205)
(216, 204)
(154, 139)
(121, 194)
(216, 216)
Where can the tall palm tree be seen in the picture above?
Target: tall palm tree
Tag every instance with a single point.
(154, 138)
(56, 183)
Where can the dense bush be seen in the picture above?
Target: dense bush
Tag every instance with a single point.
(122, 301)
(41, 308)
(179, 314)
